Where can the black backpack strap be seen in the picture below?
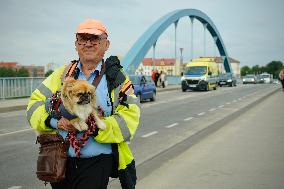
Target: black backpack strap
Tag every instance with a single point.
(113, 72)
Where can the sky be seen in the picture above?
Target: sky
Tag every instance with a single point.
(35, 32)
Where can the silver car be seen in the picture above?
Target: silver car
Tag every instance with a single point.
(249, 79)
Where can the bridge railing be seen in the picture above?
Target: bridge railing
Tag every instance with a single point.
(171, 80)
(16, 87)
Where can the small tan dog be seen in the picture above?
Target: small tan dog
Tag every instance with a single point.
(79, 98)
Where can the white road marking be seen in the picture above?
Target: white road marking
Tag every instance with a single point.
(149, 134)
(189, 118)
(212, 109)
(234, 100)
(200, 114)
(221, 106)
(239, 98)
(24, 130)
(172, 125)
(228, 103)
(15, 187)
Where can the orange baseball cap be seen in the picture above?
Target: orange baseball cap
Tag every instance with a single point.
(92, 26)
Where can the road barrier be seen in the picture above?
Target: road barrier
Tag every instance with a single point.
(16, 87)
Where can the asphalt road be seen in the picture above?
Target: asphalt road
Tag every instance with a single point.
(174, 117)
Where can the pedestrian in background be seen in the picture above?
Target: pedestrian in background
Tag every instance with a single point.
(153, 75)
(163, 79)
(157, 75)
(281, 77)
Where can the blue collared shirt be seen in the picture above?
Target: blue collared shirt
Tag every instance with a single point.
(92, 148)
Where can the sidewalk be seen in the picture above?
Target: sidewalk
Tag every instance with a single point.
(21, 103)
(246, 153)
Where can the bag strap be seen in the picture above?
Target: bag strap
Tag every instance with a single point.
(98, 78)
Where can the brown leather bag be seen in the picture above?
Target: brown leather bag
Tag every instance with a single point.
(51, 162)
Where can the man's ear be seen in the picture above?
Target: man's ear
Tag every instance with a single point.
(107, 45)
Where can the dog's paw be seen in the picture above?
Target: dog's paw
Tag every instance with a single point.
(83, 126)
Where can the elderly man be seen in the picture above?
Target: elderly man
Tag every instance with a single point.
(106, 153)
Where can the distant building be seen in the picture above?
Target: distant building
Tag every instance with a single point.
(34, 71)
(8, 64)
(167, 65)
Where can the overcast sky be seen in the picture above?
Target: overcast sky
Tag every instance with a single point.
(39, 32)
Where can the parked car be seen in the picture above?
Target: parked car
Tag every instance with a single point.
(249, 79)
(143, 88)
(227, 79)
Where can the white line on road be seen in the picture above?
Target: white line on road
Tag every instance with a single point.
(239, 98)
(212, 109)
(172, 125)
(149, 134)
(221, 106)
(234, 100)
(24, 130)
(15, 187)
(228, 103)
(200, 114)
(189, 118)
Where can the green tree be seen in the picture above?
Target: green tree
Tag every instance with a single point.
(22, 72)
(274, 67)
(245, 70)
(7, 72)
(48, 73)
(255, 69)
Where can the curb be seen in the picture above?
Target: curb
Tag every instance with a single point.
(13, 108)
(168, 89)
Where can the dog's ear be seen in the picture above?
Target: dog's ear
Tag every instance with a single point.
(69, 83)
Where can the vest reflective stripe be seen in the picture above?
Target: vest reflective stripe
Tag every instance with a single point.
(44, 90)
(126, 87)
(123, 126)
(133, 100)
(33, 108)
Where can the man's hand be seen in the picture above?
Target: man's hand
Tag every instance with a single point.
(65, 124)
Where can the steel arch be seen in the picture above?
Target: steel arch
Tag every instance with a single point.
(135, 55)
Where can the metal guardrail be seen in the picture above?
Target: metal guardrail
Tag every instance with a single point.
(15, 87)
(171, 80)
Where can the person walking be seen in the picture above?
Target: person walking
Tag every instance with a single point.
(281, 77)
(163, 79)
(106, 152)
(157, 76)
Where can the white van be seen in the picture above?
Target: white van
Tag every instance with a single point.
(266, 78)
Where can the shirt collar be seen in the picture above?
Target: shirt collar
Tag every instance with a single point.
(97, 69)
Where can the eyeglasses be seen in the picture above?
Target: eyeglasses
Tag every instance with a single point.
(94, 39)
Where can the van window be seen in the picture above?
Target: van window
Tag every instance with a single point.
(196, 70)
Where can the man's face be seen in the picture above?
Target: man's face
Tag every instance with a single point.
(90, 47)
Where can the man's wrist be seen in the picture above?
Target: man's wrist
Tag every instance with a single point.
(53, 123)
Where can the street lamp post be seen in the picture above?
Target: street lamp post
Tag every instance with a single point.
(181, 59)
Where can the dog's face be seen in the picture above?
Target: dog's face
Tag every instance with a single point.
(78, 92)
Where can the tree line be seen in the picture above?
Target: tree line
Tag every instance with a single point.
(272, 67)
(11, 72)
